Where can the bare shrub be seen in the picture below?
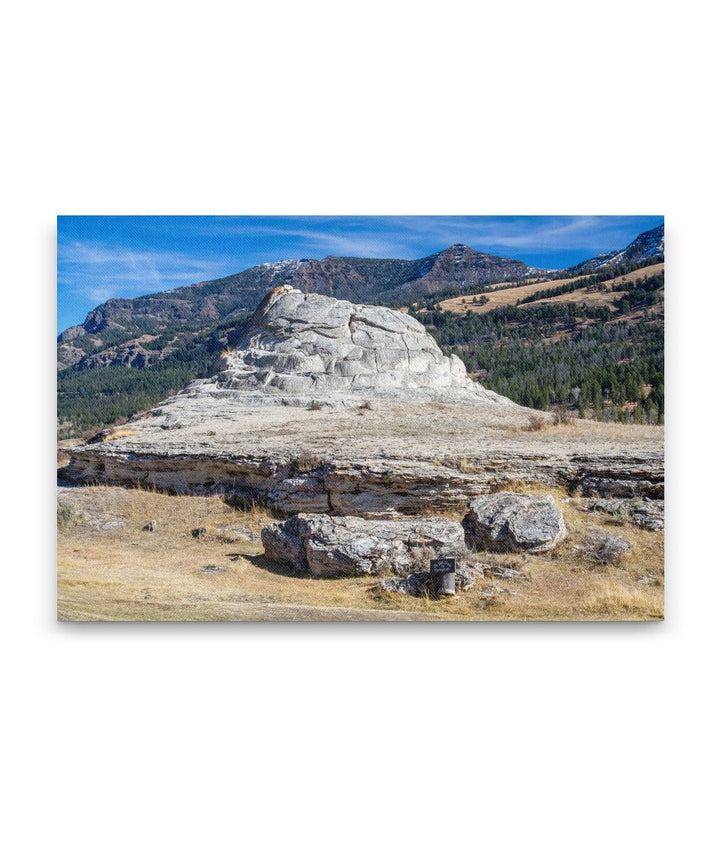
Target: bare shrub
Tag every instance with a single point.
(620, 517)
(562, 416)
(307, 461)
(605, 549)
(420, 556)
(535, 423)
(66, 513)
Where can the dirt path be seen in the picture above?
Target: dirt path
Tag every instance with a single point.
(222, 611)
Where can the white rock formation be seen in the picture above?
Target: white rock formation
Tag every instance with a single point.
(300, 347)
(432, 439)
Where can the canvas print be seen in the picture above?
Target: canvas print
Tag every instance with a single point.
(360, 418)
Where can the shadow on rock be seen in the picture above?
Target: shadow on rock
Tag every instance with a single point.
(283, 569)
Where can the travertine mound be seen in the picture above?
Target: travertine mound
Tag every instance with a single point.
(299, 348)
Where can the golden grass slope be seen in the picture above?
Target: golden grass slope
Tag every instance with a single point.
(510, 296)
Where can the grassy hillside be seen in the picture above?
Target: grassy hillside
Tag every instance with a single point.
(598, 353)
(582, 289)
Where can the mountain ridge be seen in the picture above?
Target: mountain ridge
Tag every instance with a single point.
(338, 274)
(137, 331)
(648, 245)
(120, 323)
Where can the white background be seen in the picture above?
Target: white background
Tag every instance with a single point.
(359, 739)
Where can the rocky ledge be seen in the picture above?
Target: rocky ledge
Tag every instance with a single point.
(391, 459)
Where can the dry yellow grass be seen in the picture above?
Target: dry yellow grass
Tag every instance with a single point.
(510, 296)
(500, 296)
(615, 597)
(118, 433)
(128, 574)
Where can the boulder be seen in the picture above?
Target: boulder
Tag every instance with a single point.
(111, 524)
(515, 522)
(328, 546)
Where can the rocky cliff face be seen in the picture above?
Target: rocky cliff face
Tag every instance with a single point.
(396, 458)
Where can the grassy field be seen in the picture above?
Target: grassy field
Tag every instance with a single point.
(510, 296)
(127, 574)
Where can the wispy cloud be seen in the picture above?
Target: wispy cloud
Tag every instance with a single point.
(101, 271)
(514, 233)
(318, 242)
(408, 236)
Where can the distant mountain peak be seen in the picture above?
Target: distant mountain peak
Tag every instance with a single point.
(647, 245)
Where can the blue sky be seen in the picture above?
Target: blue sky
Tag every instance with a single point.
(102, 257)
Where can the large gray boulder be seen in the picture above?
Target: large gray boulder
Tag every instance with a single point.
(328, 546)
(299, 345)
(515, 522)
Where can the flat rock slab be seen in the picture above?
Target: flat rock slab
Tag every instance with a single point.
(515, 522)
(233, 534)
(402, 458)
(327, 546)
(111, 524)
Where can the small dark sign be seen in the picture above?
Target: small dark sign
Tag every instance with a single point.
(442, 575)
(442, 566)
